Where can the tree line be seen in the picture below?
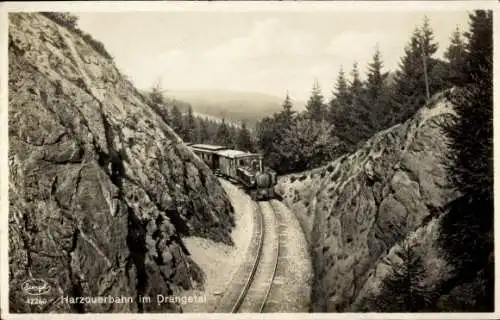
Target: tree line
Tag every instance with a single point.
(198, 129)
(296, 141)
(466, 230)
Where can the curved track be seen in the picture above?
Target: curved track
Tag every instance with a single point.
(252, 284)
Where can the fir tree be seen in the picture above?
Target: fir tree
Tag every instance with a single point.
(342, 87)
(244, 140)
(402, 290)
(455, 54)
(233, 134)
(315, 106)
(223, 136)
(353, 122)
(415, 72)
(473, 135)
(356, 84)
(190, 126)
(177, 121)
(158, 101)
(204, 135)
(340, 99)
(285, 117)
(375, 76)
(267, 140)
(467, 228)
(378, 95)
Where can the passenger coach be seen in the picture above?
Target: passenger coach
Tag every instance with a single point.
(243, 167)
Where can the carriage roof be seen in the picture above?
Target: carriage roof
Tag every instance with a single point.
(222, 151)
(228, 153)
(206, 147)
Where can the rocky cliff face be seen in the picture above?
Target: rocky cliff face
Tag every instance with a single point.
(101, 189)
(356, 211)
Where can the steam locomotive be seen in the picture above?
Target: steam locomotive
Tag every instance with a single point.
(243, 167)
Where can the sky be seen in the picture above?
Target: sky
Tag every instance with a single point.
(269, 52)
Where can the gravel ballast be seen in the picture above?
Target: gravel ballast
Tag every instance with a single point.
(217, 260)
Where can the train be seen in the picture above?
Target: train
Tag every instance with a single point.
(243, 167)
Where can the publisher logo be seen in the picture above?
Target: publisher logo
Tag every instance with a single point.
(35, 287)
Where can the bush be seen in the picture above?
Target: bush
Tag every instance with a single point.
(69, 21)
(64, 19)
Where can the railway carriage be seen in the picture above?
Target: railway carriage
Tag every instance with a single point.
(243, 167)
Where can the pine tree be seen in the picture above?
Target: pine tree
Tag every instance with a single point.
(233, 134)
(158, 101)
(285, 117)
(378, 95)
(415, 71)
(402, 289)
(356, 84)
(473, 135)
(197, 130)
(468, 226)
(244, 140)
(190, 126)
(204, 134)
(177, 121)
(267, 141)
(375, 76)
(342, 87)
(340, 98)
(223, 136)
(315, 106)
(456, 54)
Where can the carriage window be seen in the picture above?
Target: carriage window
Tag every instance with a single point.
(242, 162)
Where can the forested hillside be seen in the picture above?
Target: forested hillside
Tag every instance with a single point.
(357, 109)
(405, 222)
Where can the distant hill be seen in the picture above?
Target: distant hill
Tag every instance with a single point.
(232, 105)
(184, 106)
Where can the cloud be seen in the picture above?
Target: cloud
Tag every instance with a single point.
(269, 51)
(266, 38)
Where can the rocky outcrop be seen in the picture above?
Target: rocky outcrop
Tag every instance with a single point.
(356, 210)
(101, 189)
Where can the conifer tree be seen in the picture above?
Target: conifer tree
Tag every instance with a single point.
(456, 55)
(473, 134)
(467, 229)
(285, 117)
(223, 136)
(356, 84)
(204, 134)
(233, 134)
(190, 126)
(177, 121)
(268, 139)
(315, 105)
(158, 101)
(402, 290)
(342, 87)
(375, 81)
(340, 99)
(244, 140)
(415, 71)
(378, 97)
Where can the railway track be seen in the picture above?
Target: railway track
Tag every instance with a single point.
(252, 284)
